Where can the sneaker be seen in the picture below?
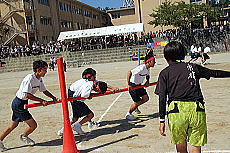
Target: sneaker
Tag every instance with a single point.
(60, 133)
(2, 147)
(137, 111)
(130, 117)
(27, 140)
(77, 128)
(92, 125)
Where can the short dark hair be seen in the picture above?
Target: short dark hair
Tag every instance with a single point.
(174, 50)
(149, 55)
(39, 64)
(103, 86)
(88, 73)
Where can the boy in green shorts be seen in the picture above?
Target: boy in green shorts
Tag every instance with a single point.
(178, 84)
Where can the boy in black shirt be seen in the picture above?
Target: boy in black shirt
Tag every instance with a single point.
(179, 84)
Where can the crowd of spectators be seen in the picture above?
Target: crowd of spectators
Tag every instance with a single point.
(207, 35)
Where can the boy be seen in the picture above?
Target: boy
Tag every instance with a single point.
(135, 77)
(205, 54)
(30, 84)
(83, 88)
(186, 112)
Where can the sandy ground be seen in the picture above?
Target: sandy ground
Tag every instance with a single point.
(115, 134)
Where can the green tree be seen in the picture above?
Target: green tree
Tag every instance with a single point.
(182, 15)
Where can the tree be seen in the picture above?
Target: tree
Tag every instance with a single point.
(182, 15)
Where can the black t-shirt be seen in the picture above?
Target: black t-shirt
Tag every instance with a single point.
(180, 81)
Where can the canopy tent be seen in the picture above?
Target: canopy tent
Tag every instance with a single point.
(111, 30)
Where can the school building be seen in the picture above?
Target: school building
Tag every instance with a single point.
(23, 21)
(143, 8)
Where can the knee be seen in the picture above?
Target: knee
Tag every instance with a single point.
(34, 126)
(145, 99)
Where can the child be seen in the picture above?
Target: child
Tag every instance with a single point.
(30, 84)
(186, 112)
(83, 88)
(205, 54)
(135, 77)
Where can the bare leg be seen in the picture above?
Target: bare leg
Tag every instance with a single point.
(182, 147)
(87, 118)
(194, 149)
(144, 99)
(8, 129)
(32, 126)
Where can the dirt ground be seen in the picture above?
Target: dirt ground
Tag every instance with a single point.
(115, 134)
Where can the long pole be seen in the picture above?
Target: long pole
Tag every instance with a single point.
(96, 95)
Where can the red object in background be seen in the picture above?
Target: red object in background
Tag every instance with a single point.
(157, 44)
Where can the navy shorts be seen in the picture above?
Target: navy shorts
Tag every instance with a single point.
(136, 94)
(19, 113)
(79, 108)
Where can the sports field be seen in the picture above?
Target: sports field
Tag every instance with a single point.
(115, 134)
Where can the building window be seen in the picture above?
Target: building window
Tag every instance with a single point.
(44, 2)
(66, 24)
(44, 37)
(95, 16)
(45, 20)
(87, 13)
(115, 15)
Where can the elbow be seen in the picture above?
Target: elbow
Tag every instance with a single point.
(27, 95)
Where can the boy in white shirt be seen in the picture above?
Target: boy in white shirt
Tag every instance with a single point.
(83, 88)
(135, 77)
(205, 54)
(29, 86)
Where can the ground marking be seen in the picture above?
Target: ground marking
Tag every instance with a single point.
(100, 119)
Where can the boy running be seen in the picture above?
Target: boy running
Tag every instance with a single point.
(178, 84)
(83, 88)
(29, 86)
(135, 77)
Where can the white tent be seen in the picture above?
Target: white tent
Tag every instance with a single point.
(111, 30)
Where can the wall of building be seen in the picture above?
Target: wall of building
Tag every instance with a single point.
(46, 21)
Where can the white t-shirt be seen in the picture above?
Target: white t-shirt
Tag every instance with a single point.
(199, 49)
(30, 84)
(207, 49)
(139, 74)
(192, 49)
(82, 88)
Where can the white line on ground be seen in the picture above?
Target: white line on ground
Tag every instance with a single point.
(100, 119)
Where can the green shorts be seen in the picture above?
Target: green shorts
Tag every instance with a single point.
(187, 122)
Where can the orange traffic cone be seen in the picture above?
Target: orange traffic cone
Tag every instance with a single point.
(69, 145)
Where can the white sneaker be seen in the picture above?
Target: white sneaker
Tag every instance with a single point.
(60, 133)
(77, 128)
(92, 125)
(2, 147)
(129, 116)
(27, 140)
(137, 111)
